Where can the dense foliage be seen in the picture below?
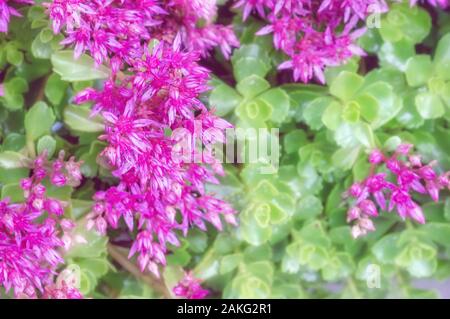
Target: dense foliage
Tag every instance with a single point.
(94, 204)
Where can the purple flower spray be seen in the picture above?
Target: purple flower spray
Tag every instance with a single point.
(403, 175)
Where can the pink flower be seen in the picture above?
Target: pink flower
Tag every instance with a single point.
(189, 287)
(404, 149)
(30, 235)
(114, 31)
(6, 11)
(368, 207)
(161, 92)
(313, 34)
(254, 5)
(61, 291)
(65, 285)
(362, 226)
(410, 176)
(375, 157)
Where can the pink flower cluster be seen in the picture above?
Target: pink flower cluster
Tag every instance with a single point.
(30, 231)
(157, 193)
(61, 291)
(313, 34)
(189, 288)
(157, 189)
(117, 30)
(6, 11)
(404, 174)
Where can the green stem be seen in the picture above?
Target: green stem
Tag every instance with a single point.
(402, 283)
(30, 147)
(351, 284)
(409, 224)
(209, 254)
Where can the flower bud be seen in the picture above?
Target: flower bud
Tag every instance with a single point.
(368, 207)
(366, 224)
(26, 183)
(416, 213)
(101, 225)
(353, 213)
(58, 179)
(356, 231)
(376, 157)
(415, 160)
(67, 224)
(355, 190)
(433, 190)
(427, 173)
(404, 149)
(54, 206)
(394, 166)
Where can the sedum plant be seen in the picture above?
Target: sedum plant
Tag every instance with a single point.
(99, 201)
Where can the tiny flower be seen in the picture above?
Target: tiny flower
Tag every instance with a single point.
(366, 224)
(433, 190)
(376, 157)
(443, 181)
(407, 177)
(356, 231)
(67, 224)
(26, 184)
(190, 288)
(58, 179)
(404, 149)
(356, 190)
(416, 213)
(38, 204)
(61, 291)
(38, 190)
(101, 225)
(353, 213)
(394, 165)
(415, 160)
(368, 207)
(427, 172)
(54, 206)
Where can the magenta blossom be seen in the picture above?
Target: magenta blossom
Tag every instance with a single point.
(7, 10)
(32, 232)
(65, 286)
(61, 291)
(189, 288)
(115, 31)
(379, 191)
(158, 195)
(313, 34)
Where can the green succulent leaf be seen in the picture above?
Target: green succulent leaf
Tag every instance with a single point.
(39, 121)
(81, 69)
(78, 118)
